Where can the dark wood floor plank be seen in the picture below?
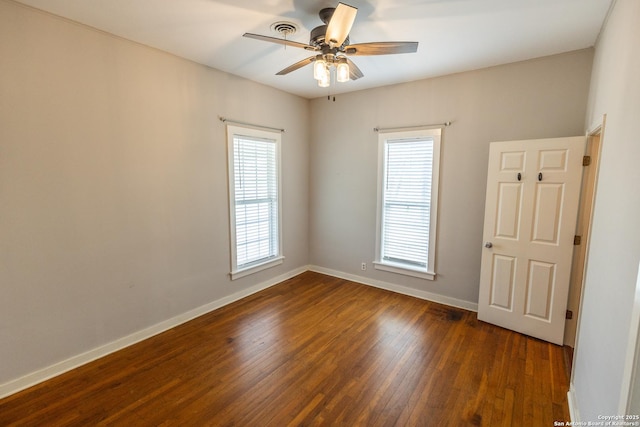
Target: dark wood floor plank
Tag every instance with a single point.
(313, 350)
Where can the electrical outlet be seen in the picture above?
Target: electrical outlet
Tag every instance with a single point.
(363, 266)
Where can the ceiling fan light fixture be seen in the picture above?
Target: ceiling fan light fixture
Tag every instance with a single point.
(342, 71)
(319, 68)
(331, 46)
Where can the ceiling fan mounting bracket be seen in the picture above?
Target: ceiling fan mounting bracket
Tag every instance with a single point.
(326, 14)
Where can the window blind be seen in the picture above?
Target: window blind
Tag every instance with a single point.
(407, 201)
(256, 199)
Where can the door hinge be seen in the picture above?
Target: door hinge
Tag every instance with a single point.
(586, 160)
(569, 315)
(577, 240)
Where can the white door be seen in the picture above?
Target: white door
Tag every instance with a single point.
(533, 190)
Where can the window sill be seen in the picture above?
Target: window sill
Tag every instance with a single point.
(237, 274)
(402, 269)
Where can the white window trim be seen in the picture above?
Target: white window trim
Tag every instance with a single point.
(232, 130)
(272, 262)
(429, 272)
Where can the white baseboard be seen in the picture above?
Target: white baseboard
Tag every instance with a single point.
(59, 368)
(429, 296)
(573, 406)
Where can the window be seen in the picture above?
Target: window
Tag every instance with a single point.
(407, 202)
(254, 199)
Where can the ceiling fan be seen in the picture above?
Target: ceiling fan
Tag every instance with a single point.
(331, 42)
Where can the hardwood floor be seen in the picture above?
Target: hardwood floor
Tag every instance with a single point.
(313, 350)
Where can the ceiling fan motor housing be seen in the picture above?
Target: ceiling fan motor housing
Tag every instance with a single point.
(318, 34)
(318, 37)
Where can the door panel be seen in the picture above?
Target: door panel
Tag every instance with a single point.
(502, 282)
(513, 161)
(540, 283)
(553, 160)
(508, 219)
(548, 212)
(530, 216)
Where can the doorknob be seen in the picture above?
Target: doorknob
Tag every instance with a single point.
(488, 245)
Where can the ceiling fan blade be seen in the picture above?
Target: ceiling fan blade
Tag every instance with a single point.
(381, 48)
(297, 65)
(340, 24)
(354, 71)
(279, 41)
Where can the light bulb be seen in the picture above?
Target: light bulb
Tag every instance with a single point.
(325, 78)
(319, 68)
(342, 72)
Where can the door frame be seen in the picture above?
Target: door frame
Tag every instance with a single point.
(583, 229)
(597, 131)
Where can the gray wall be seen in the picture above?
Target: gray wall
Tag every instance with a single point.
(540, 98)
(113, 186)
(614, 250)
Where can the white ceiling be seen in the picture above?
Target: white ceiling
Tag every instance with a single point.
(454, 35)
